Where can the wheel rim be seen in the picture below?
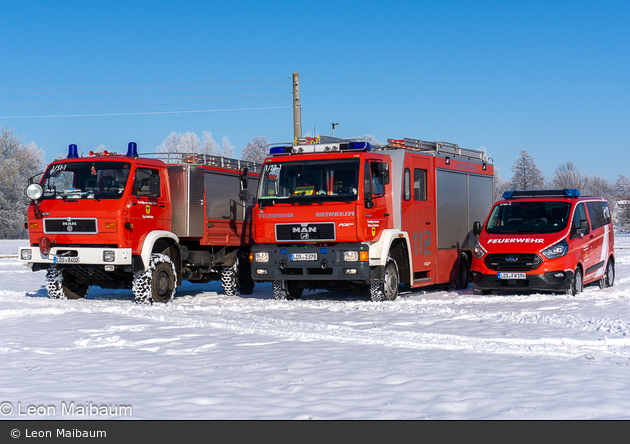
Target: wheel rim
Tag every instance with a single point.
(578, 282)
(610, 275)
(162, 284)
(391, 282)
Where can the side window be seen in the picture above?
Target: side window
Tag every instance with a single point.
(407, 185)
(599, 214)
(147, 183)
(420, 184)
(367, 181)
(578, 216)
(378, 187)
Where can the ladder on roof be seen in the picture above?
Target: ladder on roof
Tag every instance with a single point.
(439, 147)
(206, 160)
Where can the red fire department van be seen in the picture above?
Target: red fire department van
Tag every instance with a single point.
(340, 214)
(544, 240)
(124, 221)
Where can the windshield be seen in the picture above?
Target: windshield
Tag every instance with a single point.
(86, 180)
(309, 181)
(528, 217)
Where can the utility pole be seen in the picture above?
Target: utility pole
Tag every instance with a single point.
(297, 112)
(334, 125)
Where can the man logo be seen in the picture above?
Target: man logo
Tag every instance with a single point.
(304, 236)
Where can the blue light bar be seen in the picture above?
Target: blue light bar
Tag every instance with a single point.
(571, 192)
(280, 150)
(508, 194)
(359, 146)
(72, 151)
(132, 149)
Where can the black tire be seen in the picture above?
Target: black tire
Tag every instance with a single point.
(286, 290)
(479, 291)
(463, 275)
(387, 290)
(62, 285)
(608, 279)
(577, 283)
(244, 275)
(156, 284)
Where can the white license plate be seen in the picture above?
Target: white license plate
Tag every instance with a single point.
(303, 256)
(66, 260)
(512, 276)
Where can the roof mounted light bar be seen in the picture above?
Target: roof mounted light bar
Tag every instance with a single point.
(332, 146)
(567, 192)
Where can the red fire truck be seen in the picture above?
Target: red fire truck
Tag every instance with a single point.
(124, 221)
(340, 214)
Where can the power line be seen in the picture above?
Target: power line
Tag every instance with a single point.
(148, 113)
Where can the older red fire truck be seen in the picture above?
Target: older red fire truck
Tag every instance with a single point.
(124, 221)
(340, 214)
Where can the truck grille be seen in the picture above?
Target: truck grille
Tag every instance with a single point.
(70, 225)
(306, 232)
(512, 262)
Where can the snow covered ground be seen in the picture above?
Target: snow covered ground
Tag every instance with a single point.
(431, 354)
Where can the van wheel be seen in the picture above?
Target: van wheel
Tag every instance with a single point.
(609, 277)
(389, 288)
(576, 283)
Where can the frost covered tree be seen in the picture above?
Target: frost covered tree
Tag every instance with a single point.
(527, 176)
(18, 162)
(567, 175)
(227, 149)
(209, 145)
(256, 150)
(500, 185)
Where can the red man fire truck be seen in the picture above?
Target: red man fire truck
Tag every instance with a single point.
(124, 221)
(340, 214)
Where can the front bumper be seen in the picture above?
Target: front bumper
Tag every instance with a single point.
(553, 281)
(328, 265)
(75, 256)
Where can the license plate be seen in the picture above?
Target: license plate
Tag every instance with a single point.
(66, 260)
(512, 276)
(303, 256)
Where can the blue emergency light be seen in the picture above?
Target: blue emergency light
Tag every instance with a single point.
(280, 150)
(567, 192)
(359, 146)
(72, 151)
(132, 149)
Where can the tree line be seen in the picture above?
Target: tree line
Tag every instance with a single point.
(527, 176)
(19, 161)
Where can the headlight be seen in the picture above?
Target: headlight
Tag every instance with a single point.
(109, 256)
(26, 254)
(34, 191)
(262, 256)
(478, 251)
(350, 256)
(558, 250)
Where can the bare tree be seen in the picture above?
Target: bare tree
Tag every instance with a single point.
(227, 149)
(209, 145)
(18, 162)
(526, 176)
(500, 185)
(180, 143)
(567, 175)
(256, 150)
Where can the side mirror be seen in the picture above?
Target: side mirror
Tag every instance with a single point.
(244, 195)
(383, 170)
(245, 178)
(476, 228)
(583, 227)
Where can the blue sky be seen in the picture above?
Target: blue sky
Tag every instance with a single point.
(549, 77)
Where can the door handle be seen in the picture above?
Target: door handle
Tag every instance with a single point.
(428, 222)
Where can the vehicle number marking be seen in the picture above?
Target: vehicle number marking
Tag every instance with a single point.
(512, 276)
(303, 256)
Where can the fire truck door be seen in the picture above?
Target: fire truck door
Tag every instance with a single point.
(148, 208)
(376, 213)
(418, 217)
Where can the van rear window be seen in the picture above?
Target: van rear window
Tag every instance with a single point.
(599, 214)
(528, 217)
